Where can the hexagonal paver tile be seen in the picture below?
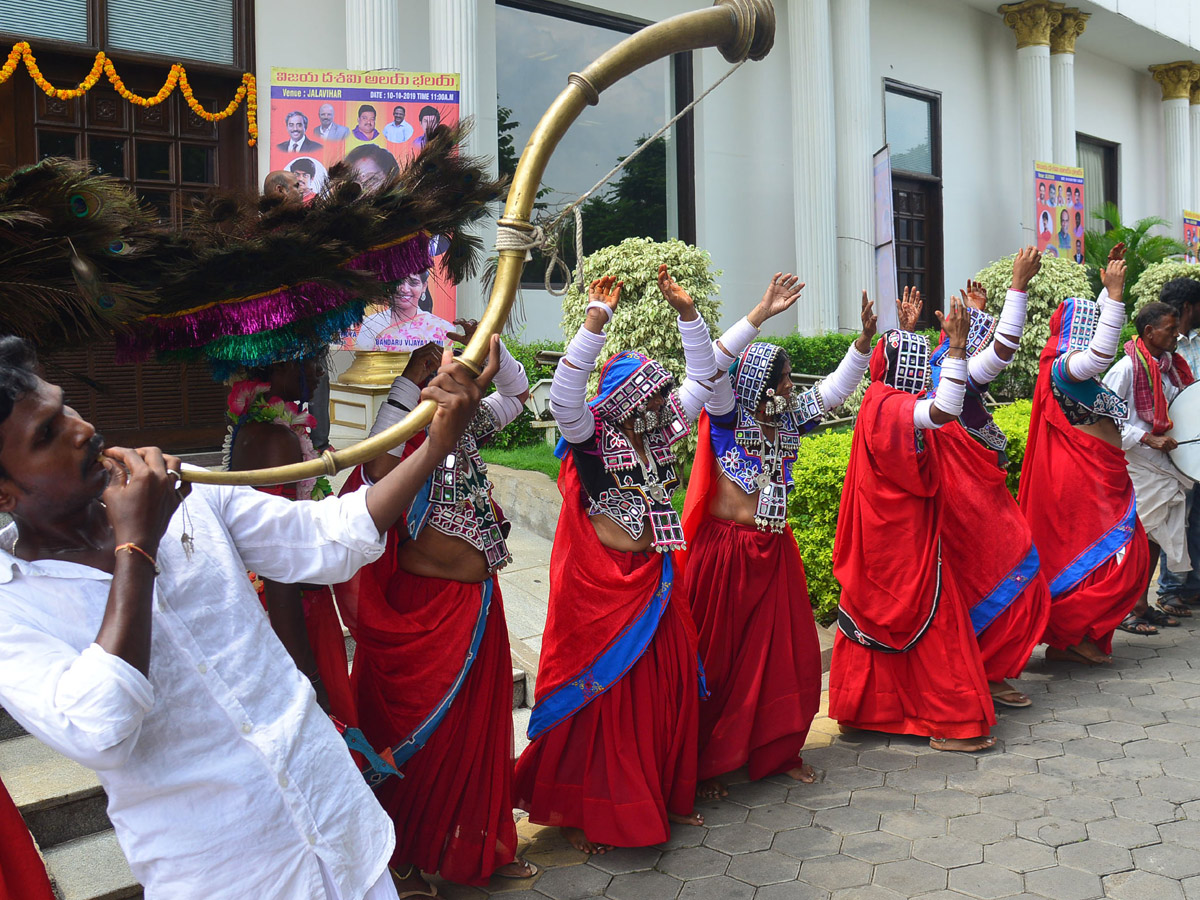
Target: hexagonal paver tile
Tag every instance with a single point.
(915, 781)
(886, 760)
(867, 892)
(1019, 855)
(1125, 833)
(1058, 731)
(1119, 732)
(1036, 749)
(1051, 831)
(834, 872)
(719, 887)
(569, 882)
(765, 867)
(947, 851)
(643, 886)
(684, 836)
(1086, 715)
(819, 796)
(982, 828)
(833, 757)
(1175, 790)
(1142, 886)
(1149, 749)
(1181, 768)
(913, 824)
(985, 881)
(1174, 732)
(1073, 767)
(847, 820)
(1013, 806)
(718, 814)
(780, 816)
(947, 763)
(1133, 768)
(1064, 883)
(1094, 747)
(1108, 787)
(744, 838)
(807, 843)
(757, 793)
(1042, 787)
(948, 803)
(1185, 832)
(1137, 715)
(626, 859)
(882, 800)
(1082, 808)
(1005, 764)
(1146, 809)
(792, 890)
(909, 877)
(1170, 860)
(1096, 857)
(876, 847)
(693, 862)
(978, 783)
(851, 778)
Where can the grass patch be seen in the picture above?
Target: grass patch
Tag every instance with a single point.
(532, 458)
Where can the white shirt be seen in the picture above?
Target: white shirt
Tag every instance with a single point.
(225, 780)
(397, 134)
(1189, 349)
(1120, 381)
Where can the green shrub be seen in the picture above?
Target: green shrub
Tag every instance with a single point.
(521, 432)
(644, 322)
(817, 354)
(1059, 279)
(820, 471)
(1013, 420)
(1142, 249)
(1154, 277)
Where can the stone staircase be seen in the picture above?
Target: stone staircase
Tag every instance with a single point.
(64, 807)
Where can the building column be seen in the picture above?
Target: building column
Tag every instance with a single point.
(814, 164)
(1062, 83)
(454, 47)
(1032, 22)
(1176, 80)
(1194, 115)
(855, 173)
(373, 34)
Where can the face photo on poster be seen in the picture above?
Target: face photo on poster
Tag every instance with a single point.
(374, 122)
(1059, 198)
(1191, 236)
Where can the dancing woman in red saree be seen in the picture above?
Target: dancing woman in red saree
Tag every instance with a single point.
(1075, 489)
(744, 578)
(612, 753)
(905, 659)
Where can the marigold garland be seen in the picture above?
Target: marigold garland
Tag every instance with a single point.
(247, 90)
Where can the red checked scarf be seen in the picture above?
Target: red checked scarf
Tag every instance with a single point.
(1148, 395)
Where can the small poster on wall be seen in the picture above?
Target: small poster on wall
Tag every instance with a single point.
(1191, 236)
(375, 122)
(1060, 217)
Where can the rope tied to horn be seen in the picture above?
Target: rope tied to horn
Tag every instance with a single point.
(548, 237)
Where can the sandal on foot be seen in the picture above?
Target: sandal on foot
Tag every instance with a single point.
(1137, 625)
(1175, 608)
(531, 868)
(1011, 697)
(1159, 618)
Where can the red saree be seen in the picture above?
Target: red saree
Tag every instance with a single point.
(22, 875)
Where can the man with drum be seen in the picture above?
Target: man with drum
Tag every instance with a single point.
(1148, 377)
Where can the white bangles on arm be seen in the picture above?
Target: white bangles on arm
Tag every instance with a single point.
(568, 390)
(403, 396)
(702, 382)
(1103, 347)
(842, 381)
(733, 342)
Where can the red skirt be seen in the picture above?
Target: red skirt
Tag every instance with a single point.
(1008, 642)
(1095, 607)
(936, 689)
(22, 875)
(329, 649)
(627, 758)
(453, 808)
(758, 643)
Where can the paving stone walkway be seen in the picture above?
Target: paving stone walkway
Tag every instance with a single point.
(1094, 791)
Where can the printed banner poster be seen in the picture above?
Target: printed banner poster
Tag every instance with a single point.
(1060, 217)
(375, 122)
(1191, 236)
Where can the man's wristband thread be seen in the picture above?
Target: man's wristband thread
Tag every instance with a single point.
(134, 548)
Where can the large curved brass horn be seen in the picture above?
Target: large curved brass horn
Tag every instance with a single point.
(740, 29)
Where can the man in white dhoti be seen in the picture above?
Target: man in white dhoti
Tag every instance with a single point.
(1148, 377)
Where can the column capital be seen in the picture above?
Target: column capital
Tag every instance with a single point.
(1071, 26)
(1196, 93)
(1176, 78)
(1032, 21)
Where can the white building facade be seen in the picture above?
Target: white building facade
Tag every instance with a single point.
(967, 95)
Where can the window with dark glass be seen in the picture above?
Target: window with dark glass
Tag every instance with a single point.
(912, 126)
(1098, 159)
(654, 196)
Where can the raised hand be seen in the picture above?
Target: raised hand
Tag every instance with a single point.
(607, 292)
(908, 310)
(457, 392)
(781, 295)
(869, 322)
(675, 295)
(141, 495)
(1113, 277)
(955, 323)
(1117, 252)
(423, 362)
(467, 329)
(1026, 264)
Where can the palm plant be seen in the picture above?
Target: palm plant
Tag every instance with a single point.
(1142, 249)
